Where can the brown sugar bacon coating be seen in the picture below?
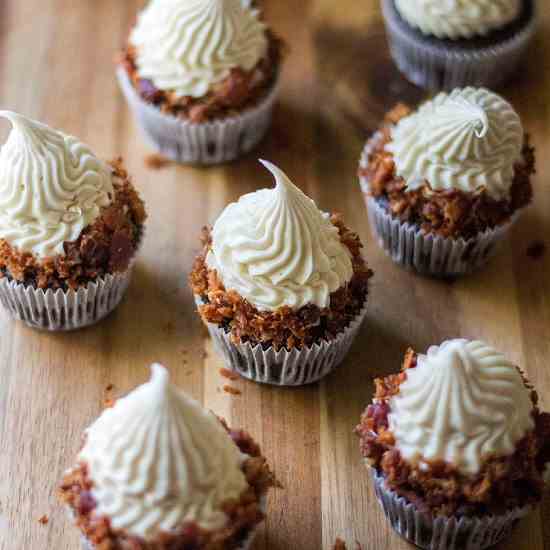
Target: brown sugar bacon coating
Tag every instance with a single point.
(502, 484)
(240, 90)
(106, 246)
(447, 213)
(243, 515)
(284, 327)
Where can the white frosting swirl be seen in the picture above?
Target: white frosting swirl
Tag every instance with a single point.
(157, 460)
(456, 19)
(275, 248)
(188, 46)
(461, 404)
(467, 140)
(51, 187)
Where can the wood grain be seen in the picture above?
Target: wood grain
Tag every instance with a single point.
(56, 65)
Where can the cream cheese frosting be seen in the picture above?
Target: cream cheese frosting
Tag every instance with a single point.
(187, 46)
(157, 460)
(456, 19)
(462, 403)
(468, 140)
(51, 187)
(276, 248)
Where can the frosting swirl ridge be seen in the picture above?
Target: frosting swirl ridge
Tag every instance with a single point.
(467, 140)
(188, 46)
(51, 187)
(456, 19)
(462, 403)
(157, 460)
(275, 248)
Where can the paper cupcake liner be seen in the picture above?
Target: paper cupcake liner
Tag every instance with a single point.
(283, 367)
(443, 533)
(199, 143)
(64, 310)
(428, 254)
(437, 67)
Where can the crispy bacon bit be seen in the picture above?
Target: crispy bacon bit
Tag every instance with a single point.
(229, 374)
(157, 162)
(231, 390)
(536, 250)
(447, 213)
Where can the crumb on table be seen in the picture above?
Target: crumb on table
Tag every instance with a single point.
(156, 161)
(229, 374)
(43, 520)
(231, 390)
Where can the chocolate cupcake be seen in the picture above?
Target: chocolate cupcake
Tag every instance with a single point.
(70, 226)
(201, 78)
(444, 184)
(457, 446)
(445, 45)
(281, 286)
(158, 471)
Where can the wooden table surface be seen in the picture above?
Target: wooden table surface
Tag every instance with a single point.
(56, 65)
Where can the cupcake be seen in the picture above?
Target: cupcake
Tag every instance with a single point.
(456, 445)
(445, 45)
(281, 286)
(70, 226)
(444, 184)
(158, 471)
(201, 78)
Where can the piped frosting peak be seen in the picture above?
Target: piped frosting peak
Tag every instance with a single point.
(51, 187)
(187, 46)
(468, 140)
(158, 460)
(276, 248)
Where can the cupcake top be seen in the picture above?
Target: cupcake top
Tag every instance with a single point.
(51, 187)
(455, 19)
(157, 460)
(463, 403)
(187, 46)
(276, 248)
(469, 140)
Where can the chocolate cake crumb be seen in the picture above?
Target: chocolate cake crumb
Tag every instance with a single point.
(536, 250)
(109, 388)
(156, 161)
(43, 520)
(285, 327)
(449, 213)
(341, 545)
(231, 390)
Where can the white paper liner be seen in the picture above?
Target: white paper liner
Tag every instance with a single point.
(430, 254)
(443, 533)
(199, 143)
(435, 67)
(283, 367)
(64, 310)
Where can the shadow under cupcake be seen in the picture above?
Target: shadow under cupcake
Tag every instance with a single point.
(281, 286)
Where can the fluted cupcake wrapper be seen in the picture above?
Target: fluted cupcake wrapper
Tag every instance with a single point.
(437, 67)
(443, 533)
(64, 310)
(204, 143)
(296, 367)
